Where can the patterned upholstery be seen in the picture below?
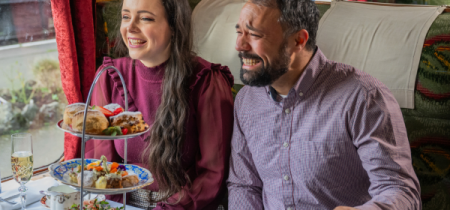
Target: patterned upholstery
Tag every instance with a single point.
(428, 124)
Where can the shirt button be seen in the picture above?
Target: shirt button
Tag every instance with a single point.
(300, 94)
(287, 111)
(285, 144)
(286, 177)
(289, 208)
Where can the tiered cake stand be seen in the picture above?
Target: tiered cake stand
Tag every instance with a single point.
(58, 170)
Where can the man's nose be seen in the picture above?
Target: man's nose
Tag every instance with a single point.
(242, 44)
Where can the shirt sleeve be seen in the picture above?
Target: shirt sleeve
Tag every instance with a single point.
(379, 134)
(215, 123)
(244, 183)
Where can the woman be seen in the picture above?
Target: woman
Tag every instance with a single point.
(186, 100)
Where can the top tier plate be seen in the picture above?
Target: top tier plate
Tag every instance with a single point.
(99, 137)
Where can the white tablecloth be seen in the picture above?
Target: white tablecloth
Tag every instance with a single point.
(13, 185)
(38, 206)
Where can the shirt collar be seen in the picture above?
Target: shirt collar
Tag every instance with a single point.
(306, 79)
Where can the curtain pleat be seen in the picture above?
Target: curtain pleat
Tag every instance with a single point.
(74, 28)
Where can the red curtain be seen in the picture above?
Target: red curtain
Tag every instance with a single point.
(74, 28)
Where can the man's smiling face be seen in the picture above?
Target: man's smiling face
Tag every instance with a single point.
(261, 45)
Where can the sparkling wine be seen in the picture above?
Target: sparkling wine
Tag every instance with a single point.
(22, 166)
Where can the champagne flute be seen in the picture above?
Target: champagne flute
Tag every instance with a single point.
(22, 162)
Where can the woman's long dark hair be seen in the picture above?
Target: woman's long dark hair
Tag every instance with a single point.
(163, 154)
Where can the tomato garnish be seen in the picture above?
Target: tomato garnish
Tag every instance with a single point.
(124, 131)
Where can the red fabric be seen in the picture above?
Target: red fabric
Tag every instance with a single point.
(74, 28)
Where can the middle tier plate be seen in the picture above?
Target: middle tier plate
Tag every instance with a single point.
(59, 171)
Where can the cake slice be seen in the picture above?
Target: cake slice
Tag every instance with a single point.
(132, 121)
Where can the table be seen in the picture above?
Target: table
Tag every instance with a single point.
(38, 206)
(12, 184)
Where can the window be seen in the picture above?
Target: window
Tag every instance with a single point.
(31, 95)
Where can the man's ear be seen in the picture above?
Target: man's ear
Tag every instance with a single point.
(301, 38)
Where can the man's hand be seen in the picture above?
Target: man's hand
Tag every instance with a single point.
(344, 208)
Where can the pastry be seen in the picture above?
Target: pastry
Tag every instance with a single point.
(113, 180)
(73, 177)
(96, 122)
(132, 121)
(71, 110)
(100, 183)
(130, 180)
(112, 107)
(89, 179)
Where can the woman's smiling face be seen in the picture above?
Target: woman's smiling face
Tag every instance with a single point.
(145, 31)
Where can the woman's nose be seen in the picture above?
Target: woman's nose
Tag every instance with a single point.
(132, 27)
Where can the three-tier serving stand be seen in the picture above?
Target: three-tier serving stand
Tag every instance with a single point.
(86, 137)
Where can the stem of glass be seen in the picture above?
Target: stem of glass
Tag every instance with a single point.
(23, 195)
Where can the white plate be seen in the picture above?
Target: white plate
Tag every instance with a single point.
(59, 171)
(99, 137)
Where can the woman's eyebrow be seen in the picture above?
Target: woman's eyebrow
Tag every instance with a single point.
(145, 11)
(140, 11)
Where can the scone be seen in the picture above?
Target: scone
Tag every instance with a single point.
(96, 122)
(71, 110)
(132, 121)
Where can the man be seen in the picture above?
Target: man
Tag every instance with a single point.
(310, 133)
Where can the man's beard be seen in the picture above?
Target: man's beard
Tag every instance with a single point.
(267, 74)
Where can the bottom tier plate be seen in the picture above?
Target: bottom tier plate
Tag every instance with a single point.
(59, 171)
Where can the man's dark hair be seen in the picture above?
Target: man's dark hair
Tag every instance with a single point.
(296, 15)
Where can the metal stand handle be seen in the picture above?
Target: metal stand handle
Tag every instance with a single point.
(84, 139)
